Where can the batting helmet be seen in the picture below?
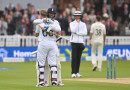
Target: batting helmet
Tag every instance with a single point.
(51, 10)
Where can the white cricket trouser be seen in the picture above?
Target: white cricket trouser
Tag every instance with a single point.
(47, 52)
(97, 48)
(46, 73)
(47, 70)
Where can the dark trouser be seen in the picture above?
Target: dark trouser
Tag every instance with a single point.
(77, 49)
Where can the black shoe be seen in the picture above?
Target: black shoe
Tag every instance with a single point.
(54, 84)
(40, 85)
(94, 68)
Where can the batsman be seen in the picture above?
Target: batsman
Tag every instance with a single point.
(50, 26)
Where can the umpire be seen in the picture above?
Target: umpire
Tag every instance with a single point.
(78, 31)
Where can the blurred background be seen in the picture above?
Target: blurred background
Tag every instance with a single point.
(16, 27)
(16, 16)
(17, 41)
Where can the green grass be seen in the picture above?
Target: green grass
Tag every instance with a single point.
(24, 77)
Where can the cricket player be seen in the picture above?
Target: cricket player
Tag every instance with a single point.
(97, 41)
(47, 49)
(46, 74)
(51, 14)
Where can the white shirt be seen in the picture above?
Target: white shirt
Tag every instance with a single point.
(43, 36)
(98, 29)
(38, 21)
(78, 31)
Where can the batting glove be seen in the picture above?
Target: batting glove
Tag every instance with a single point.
(50, 20)
(47, 28)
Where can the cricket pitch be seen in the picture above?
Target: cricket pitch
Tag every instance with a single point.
(117, 80)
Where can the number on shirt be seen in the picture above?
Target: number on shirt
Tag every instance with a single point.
(45, 33)
(98, 32)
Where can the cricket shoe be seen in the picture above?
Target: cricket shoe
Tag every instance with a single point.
(54, 84)
(99, 69)
(78, 75)
(94, 68)
(40, 85)
(60, 84)
(73, 75)
(46, 85)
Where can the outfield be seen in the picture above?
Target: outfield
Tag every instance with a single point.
(24, 77)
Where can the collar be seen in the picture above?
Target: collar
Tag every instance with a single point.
(76, 21)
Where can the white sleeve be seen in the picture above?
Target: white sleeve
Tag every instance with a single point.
(56, 26)
(73, 27)
(37, 29)
(82, 32)
(38, 21)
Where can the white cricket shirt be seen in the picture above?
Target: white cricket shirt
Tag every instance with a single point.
(78, 31)
(98, 29)
(44, 36)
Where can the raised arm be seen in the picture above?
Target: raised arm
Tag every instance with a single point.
(56, 27)
(38, 21)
